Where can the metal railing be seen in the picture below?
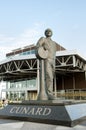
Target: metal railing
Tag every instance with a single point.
(77, 94)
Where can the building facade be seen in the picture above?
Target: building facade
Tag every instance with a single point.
(20, 71)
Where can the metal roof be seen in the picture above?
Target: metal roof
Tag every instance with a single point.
(23, 66)
(70, 52)
(20, 57)
(32, 56)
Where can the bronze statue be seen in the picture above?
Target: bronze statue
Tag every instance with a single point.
(45, 52)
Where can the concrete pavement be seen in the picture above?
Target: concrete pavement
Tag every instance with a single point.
(21, 125)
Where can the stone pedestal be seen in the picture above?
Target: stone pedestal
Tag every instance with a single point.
(48, 112)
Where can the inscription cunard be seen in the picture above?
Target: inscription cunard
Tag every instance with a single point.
(44, 111)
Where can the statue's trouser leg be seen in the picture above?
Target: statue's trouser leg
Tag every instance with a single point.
(49, 76)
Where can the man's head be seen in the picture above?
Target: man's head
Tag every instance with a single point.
(48, 32)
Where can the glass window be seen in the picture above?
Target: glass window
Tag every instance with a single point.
(22, 84)
(33, 52)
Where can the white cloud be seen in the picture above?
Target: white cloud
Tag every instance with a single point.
(27, 37)
(5, 39)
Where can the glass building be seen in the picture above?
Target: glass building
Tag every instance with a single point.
(21, 78)
(20, 70)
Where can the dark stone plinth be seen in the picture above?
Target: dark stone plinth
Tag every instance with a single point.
(49, 112)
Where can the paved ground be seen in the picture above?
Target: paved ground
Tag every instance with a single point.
(21, 125)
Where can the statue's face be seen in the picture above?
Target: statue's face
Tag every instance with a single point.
(48, 33)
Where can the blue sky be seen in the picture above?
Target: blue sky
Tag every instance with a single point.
(23, 22)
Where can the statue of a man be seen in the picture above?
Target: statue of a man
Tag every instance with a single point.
(46, 50)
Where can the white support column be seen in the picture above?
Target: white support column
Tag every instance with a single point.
(85, 75)
(62, 82)
(85, 71)
(74, 85)
(38, 77)
(73, 82)
(74, 61)
(26, 95)
(55, 89)
(1, 94)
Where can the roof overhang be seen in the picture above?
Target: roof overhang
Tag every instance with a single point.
(25, 66)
